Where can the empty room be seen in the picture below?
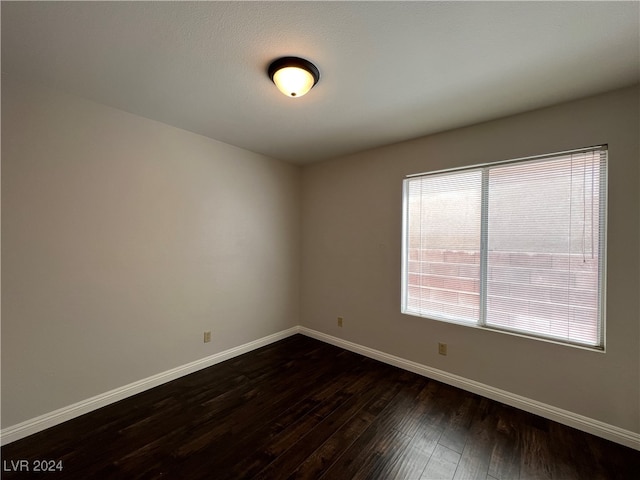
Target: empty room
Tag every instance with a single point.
(320, 240)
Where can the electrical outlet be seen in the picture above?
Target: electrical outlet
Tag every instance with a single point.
(442, 348)
(340, 320)
(207, 337)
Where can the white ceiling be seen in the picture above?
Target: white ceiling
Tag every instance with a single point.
(390, 71)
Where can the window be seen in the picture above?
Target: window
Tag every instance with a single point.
(516, 246)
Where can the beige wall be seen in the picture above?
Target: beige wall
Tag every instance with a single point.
(351, 259)
(123, 240)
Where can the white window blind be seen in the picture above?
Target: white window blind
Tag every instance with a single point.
(515, 246)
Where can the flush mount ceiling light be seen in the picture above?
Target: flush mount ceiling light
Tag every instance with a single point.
(293, 76)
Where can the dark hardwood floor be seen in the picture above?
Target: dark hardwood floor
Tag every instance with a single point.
(302, 409)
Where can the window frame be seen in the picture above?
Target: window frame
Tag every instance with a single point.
(483, 252)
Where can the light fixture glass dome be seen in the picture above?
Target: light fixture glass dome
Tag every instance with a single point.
(293, 76)
(293, 81)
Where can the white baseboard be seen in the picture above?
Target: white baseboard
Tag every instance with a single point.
(586, 424)
(34, 425)
(580, 422)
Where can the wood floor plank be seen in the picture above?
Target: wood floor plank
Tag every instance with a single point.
(386, 454)
(535, 454)
(318, 463)
(476, 456)
(302, 438)
(410, 461)
(373, 442)
(303, 409)
(607, 459)
(569, 450)
(458, 424)
(285, 465)
(505, 460)
(260, 444)
(442, 465)
(323, 457)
